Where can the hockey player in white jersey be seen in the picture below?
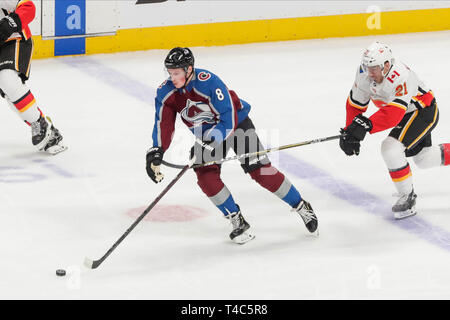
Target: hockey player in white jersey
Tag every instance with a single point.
(407, 107)
(16, 49)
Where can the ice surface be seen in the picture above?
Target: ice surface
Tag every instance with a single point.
(55, 211)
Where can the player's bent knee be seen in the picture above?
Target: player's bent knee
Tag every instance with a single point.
(261, 170)
(268, 177)
(11, 84)
(392, 148)
(208, 179)
(421, 163)
(425, 159)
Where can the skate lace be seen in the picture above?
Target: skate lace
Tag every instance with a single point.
(35, 128)
(306, 213)
(235, 221)
(404, 199)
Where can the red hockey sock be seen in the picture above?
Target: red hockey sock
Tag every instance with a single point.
(445, 147)
(25, 102)
(400, 174)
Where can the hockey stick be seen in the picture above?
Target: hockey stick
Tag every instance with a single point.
(92, 264)
(252, 154)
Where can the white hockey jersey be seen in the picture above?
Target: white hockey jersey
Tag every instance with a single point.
(400, 92)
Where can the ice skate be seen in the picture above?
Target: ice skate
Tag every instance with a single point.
(46, 137)
(305, 211)
(240, 233)
(405, 206)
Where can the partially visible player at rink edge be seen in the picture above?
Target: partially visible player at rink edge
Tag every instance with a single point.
(219, 120)
(407, 107)
(16, 49)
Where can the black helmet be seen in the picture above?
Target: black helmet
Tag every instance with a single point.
(179, 58)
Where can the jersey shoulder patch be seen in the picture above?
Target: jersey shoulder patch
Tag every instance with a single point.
(204, 76)
(207, 82)
(397, 75)
(396, 82)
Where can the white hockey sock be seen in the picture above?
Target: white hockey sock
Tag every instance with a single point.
(30, 112)
(393, 152)
(19, 96)
(402, 178)
(429, 157)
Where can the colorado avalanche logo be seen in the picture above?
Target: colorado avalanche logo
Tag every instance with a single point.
(197, 113)
(203, 76)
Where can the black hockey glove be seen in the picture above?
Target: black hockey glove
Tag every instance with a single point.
(355, 132)
(204, 151)
(349, 144)
(154, 159)
(359, 127)
(8, 25)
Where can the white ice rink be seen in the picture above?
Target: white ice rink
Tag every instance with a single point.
(54, 211)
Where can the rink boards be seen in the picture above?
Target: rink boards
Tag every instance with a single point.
(89, 27)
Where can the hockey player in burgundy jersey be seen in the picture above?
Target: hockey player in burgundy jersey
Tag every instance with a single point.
(407, 107)
(219, 120)
(16, 48)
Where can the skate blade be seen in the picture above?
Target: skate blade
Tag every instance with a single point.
(56, 149)
(243, 238)
(315, 233)
(405, 214)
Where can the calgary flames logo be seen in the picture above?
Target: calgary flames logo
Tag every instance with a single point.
(197, 113)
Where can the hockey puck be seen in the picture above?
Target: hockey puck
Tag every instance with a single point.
(60, 272)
